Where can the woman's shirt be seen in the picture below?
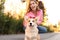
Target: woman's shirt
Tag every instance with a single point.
(30, 14)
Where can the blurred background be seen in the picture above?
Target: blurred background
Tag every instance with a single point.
(13, 11)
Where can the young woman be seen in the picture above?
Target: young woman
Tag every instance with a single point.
(34, 12)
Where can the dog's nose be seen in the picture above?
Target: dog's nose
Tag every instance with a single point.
(30, 24)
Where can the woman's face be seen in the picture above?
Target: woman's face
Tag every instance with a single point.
(33, 5)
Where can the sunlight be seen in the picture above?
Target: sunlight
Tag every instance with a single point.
(53, 10)
(15, 7)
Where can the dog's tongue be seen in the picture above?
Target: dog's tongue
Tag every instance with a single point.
(30, 26)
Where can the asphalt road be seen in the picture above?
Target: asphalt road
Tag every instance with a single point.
(44, 36)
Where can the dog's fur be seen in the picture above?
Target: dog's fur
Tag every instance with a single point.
(31, 31)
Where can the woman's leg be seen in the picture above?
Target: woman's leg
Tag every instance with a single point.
(42, 29)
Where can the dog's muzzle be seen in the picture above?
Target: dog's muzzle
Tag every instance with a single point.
(30, 24)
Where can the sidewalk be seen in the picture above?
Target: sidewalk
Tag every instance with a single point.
(44, 36)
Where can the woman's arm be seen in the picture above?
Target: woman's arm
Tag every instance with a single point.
(40, 17)
(25, 20)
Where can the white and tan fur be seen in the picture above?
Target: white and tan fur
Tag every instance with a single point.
(31, 31)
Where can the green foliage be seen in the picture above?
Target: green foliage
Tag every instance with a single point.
(19, 26)
(49, 30)
(9, 25)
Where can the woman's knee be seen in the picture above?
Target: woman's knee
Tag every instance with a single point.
(42, 29)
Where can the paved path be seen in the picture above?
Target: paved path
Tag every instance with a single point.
(44, 36)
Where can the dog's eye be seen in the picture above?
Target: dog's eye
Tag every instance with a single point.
(33, 21)
(29, 21)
